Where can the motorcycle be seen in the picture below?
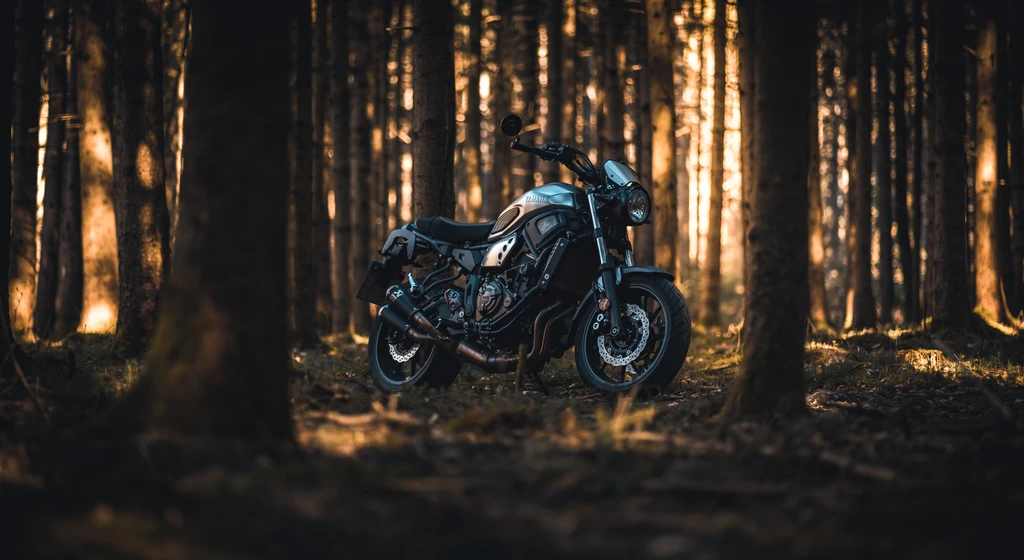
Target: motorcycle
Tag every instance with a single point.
(555, 271)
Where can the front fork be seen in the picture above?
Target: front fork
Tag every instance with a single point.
(606, 282)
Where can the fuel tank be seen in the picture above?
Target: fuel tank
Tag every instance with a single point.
(533, 202)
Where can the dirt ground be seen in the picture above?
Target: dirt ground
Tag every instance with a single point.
(908, 452)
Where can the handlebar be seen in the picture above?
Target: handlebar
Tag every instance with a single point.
(572, 158)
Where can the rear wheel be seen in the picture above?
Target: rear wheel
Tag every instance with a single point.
(652, 347)
(397, 363)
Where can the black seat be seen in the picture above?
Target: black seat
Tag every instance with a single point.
(444, 229)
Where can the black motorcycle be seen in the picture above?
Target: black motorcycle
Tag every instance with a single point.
(553, 272)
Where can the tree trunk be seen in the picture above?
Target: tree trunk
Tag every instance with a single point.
(362, 182)
(69, 281)
(831, 126)
(49, 236)
(341, 221)
(218, 366)
(524, 75)
(860, 303)
(99, 237)
(555, 88)
(746, 12)
(612, 137)
(901, 213)
(302, 279)
(6, 187)
(987, 257)
(1016, 139)
(663, 139)
(816, 248)
(471, 148)
(28, 44)
(500, 192)
(883, 176)
(711, 281)
(643, 236)
(770, 382)
(950, 308)
(140, 198)
(433, 114)
(917, 188)
(175, 40)
(321, 217)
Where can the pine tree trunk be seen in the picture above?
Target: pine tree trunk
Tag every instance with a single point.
(883, 176)
(833, 98)
(950, 307)
(816, 248)
(99, 237)
(770, 382)
(362, 182)
(9, 52)
(341, 177)
(660, 30)
(471, 148)
(218, 366)
(175, 40)
(917, 187)
(433, 114)
(711, 281)
(555, 88)
(901, 214)
(987, 257)
(500, 192)
(321, 217)
(611, 133)
(69, 281)
(746, 12)
(49, 235)
(140, 198)
(22, 272)
(860, 302)
(643, 236)
(524, 21)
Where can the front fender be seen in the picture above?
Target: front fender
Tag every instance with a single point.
(621, 274)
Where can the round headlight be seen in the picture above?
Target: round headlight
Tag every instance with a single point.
(638, 205)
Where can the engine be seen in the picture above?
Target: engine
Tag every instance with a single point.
(494, 298)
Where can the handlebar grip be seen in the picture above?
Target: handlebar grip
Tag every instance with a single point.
(521, 147)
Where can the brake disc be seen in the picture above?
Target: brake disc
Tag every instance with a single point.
(400, 353)
(642, 325)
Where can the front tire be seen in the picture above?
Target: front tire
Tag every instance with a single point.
(429, 366)
(650, 362)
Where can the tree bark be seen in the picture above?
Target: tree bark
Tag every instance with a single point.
(770, 382)
(22, 271)
(950, 308)
(8, 52)
(49, 236)
(359, 150)
(883, 177)
(555, 88)
(218, 366)
(69, 281)
(917, 188)
(746, 12)
(860, 302)
(1016, 140)
(99, 237)
(901, 213)
(987, 257)
(524, 76)
(816, 248)
(433, 114)
(663, 140)
(471, 148)
(341, 221)
(613, 59)
(302, 279)
(140, 198)
(711, 281)
(175, 41)
(500, 192)
(321, 217)
(643, 236)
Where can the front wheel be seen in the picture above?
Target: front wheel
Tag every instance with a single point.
(652, 347)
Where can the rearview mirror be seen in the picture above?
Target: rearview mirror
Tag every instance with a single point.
(511, 125)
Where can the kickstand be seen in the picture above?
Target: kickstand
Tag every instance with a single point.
(540, 382)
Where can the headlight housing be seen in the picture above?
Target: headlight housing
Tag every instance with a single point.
(637, 205)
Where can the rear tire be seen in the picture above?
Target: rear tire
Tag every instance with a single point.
(430, 366)
(663, 352)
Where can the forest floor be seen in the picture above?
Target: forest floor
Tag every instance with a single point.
(907, 452)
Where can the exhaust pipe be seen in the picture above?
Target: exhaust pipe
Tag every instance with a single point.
(414, 324)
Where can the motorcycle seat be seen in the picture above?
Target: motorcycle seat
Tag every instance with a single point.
(444, 229)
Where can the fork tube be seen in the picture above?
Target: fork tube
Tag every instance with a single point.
(606, 269)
